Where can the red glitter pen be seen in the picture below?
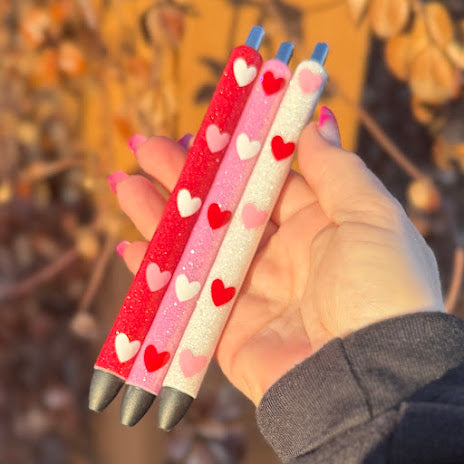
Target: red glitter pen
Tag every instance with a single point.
(165, 249)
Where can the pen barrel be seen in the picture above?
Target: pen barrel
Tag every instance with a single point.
(162, 339)
(223, 283)
(180, 214)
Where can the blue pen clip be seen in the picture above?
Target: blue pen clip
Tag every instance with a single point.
(255, 37)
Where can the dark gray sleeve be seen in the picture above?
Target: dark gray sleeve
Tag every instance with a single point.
(390, 393)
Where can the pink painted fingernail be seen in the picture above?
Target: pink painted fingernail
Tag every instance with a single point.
(115, 178)
(121, 246)
(186, 141)
(328, 126)
(135, 141)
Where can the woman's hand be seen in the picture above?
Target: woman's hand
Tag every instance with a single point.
(339, 254)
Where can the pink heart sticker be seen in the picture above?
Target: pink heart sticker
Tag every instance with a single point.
(252, 217)
(191, 364)
(155, 278)
(309, 82)
(215, 140)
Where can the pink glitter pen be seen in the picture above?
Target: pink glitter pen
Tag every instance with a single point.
(163, 337)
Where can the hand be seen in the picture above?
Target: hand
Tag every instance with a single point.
(339, 254)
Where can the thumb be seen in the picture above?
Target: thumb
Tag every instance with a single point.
(346, 189)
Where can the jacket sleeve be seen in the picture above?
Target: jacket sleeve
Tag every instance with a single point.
(390, 393)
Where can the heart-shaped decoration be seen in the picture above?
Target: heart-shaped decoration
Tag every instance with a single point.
(280, 149)
(243, 73)
(154, 360)
(272, 84)
(216, 217)
(246, 148)
(252, 217)
(156, 279)
(191, 364)
(125, 349)
(186, 289)
(220, 294)
(187, 205)
(309, 82)
(215, 140)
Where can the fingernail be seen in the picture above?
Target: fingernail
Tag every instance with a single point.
(328, 126)
(115, 178)
(135, 141)
(121, 246)
(186, 141)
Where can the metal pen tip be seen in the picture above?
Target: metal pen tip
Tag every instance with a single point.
(172, 407)
(285, 52)
(320, 53)
(103, 388)
(255, 37)
(135, 403)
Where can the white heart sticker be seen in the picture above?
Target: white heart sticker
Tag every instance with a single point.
(125, 349)
(186, 204)
(185, 289)
(243, 73)
(246, 148)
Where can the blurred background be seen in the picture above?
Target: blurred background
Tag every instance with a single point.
(78, 78)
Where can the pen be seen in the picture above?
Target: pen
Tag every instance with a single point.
(161, 341)
(180, 214)
(223, 283)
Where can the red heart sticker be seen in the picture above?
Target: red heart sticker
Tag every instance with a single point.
(280, 149)
(220, 294)
(216, 217)
(153, 359)
(271, 84)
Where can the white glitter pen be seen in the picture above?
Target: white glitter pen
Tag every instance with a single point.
(198, 344)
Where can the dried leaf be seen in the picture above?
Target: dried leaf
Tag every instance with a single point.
(447, 155)
(34, 25)
(70, 59)
(358, 9)
(419, 38)
(398, 56)
(423, 195)
(164, 25)
(433, 78)
(215, 66)
(455, 52)
(388, 17)
(439, 23)
(46, 68)
(429, 115)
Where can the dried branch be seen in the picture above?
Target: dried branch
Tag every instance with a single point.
(381, 137)
(45, 274)
(42, 170)
(97, 275)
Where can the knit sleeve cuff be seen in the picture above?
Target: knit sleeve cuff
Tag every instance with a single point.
(349, 381)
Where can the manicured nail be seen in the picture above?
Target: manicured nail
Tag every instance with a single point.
(115, 178)
(186, 141)
(121, 246)
(328, 126)
(135, 141)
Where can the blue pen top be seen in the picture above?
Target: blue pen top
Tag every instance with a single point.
(320, 53)
(255, 37)
(285, 52)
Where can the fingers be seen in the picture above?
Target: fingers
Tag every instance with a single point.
(140, 200)
(346, 189)
(133, 255)
(163, 159)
